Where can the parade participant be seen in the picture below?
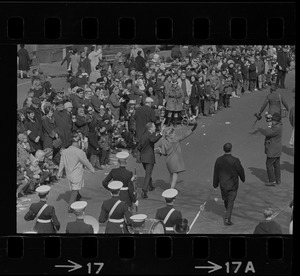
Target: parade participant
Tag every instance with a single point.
(95, 56)
(275, 101)
(115, 211)
(227, 171)
(181, 227)
(79, 226)
(142, 116)
(273, 148)
(174, 99)
(127, 192)
(73, 159)
(138, 223)
(170, 147)
(47, 221)
(269, 226)
(146, 148)
(168, 214)
(283, 61)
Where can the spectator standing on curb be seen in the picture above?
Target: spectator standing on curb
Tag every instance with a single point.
(269, 226)
(24, 61)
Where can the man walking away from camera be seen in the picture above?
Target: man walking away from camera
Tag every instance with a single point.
(227, 171)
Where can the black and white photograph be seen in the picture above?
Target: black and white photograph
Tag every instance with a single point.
(155, 139)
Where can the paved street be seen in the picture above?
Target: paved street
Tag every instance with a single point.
(195, 184)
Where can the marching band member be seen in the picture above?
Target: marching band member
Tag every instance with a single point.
(79, 226)
(47, 221)
(115, 211)
(127, 192)
(168, 214)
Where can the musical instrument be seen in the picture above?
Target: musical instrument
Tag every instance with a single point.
(151, 226)
(92, 221)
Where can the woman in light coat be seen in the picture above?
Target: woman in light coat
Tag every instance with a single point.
(170, 147)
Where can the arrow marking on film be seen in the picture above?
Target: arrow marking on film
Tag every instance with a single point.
(74, 266)
(215, 267)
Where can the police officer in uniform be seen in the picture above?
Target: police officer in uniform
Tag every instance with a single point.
(127, 192)
(115, 211)
(79, 226)
(168, 214)
(47, 221)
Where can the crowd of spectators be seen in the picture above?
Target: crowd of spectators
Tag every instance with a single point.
(102, 98)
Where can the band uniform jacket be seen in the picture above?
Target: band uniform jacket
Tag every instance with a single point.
(47, 214)
(79, 227)
(273, 99)
(273, 143)
(127, 191)
(121, 212)
(146, 147)
(227, 171)
(172, 220)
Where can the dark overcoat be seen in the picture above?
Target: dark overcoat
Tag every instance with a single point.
(24, 60)
(146, 147)
(49, 130)
(142, 116)
(36, 130)
(63, 121)
(227, 171)
(273, 143)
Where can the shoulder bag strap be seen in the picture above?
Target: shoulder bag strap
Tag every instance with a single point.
(168, 215)
(41, 210)
(113, 208)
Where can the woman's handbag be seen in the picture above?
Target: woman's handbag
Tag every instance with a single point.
(284, 112)
(57, 143)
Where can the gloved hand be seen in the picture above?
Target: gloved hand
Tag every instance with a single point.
(194, 126)
(136, 203)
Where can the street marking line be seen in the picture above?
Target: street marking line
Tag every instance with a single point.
(23, 83)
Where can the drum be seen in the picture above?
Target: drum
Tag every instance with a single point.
(92, 221)
(151, 226)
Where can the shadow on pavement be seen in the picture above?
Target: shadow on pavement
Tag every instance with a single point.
(288, 151)
(287, 166)
(160, 183)
(215, 207)
(65, 196)
(259, 173)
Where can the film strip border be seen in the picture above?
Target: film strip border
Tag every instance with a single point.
(141, 23)
(147, 255)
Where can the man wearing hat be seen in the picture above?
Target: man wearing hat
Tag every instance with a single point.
(79, 226)
(73, 159)
(47, 221)
(127, 192)
(168, 214)
(115, 211)
(273, 148)
(138, 223)
(275, 102)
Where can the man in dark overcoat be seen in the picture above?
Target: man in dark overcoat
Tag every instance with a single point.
(283, 61)
(146, 147)
(142, 116)
(273, 148)
(227, 171)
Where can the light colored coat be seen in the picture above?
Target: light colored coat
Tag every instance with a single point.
(188, 86)
(73, 159)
